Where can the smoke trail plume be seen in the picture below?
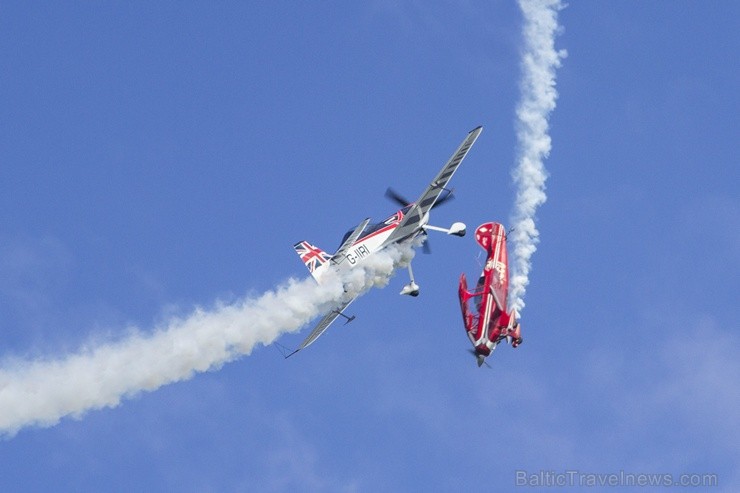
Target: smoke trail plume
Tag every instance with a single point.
(40, 393)
(538, 95)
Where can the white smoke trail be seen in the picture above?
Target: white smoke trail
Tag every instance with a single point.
(40, 393)
(538, 95)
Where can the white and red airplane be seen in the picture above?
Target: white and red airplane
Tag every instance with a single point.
(366, 239)
(487, 322)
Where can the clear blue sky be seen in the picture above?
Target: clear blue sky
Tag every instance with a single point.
(158, 157)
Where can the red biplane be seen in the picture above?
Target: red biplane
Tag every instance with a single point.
(486, 318)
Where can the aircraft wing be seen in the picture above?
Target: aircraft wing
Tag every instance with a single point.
(339, 256)
(410, 223)
(323, 325)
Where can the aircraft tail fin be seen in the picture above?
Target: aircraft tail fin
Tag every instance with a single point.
(315, 258)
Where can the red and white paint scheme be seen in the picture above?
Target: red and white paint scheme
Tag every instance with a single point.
(487, 321)
(357, 244)
(403, 226)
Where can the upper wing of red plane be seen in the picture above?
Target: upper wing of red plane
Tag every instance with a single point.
(492, 237)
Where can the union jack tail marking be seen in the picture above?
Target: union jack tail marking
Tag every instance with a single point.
(314, 258)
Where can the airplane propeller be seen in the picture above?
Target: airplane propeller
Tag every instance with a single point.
(480, 361)
(403, 201)
(396, 197)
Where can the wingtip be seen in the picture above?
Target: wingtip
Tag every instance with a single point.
(291, 354)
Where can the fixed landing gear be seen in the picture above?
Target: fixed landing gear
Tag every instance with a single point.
(411, 289)
(457, 229)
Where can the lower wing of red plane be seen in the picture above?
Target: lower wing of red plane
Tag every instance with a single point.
(464, 295)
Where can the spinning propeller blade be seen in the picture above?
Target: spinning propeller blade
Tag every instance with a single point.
(396, 197)
(480, 359)
(403, 201)
(425, 247)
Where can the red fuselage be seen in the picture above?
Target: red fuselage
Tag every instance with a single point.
(484, 311)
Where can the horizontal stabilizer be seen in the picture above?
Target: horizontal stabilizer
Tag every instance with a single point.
(351, 239)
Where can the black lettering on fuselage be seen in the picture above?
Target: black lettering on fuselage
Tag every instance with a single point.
(358, 254)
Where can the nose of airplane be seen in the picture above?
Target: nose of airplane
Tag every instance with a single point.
(480, 359)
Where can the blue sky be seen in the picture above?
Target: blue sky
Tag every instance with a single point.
(155, 158)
